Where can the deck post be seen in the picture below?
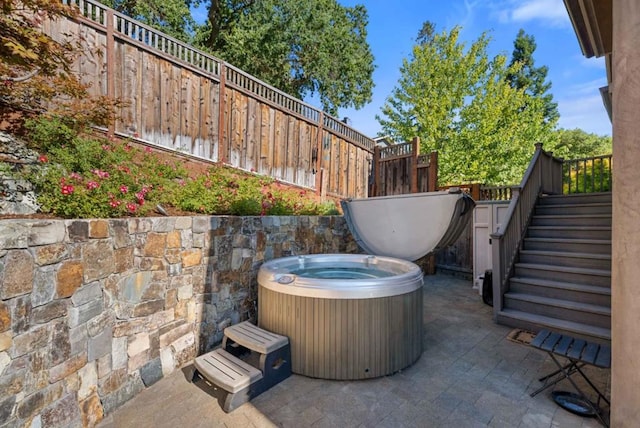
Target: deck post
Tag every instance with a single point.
(415, 150)
(433, 172)
(222, 150)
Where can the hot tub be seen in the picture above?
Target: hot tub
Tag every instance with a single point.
(347, 316)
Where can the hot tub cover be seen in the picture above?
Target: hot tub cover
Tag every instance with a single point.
(408, 226)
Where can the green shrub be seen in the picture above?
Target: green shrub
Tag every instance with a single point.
(90, 177)
(83, 177)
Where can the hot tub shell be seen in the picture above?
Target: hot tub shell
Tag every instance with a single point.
(344, 328)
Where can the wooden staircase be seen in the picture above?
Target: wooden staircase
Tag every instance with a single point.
(562, 279)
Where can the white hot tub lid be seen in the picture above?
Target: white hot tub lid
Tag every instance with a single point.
(408, 226)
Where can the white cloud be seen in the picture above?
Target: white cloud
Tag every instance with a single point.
(589, 87)
(597, 63)
(584, 112)
(551, 12)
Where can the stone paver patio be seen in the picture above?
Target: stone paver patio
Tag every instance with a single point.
(469, 375)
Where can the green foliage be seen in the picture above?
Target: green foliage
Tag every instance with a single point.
(90, 177)
(576, 144)
(83, 177)
(588, 176)
(169, 16)
(531, 78)
(224, 191)
(300, 47)
(459, 102)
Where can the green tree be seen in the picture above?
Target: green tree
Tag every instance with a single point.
(459, 102)
(531, 78)
(301, 47)
(169, 16)
(36, 71)
(576, 144)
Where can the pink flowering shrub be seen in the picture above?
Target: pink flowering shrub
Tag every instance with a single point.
(90, 177)
(81, 177)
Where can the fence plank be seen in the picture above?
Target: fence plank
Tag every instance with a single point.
(291, 151)
(150, 99)
(278, 140)
(253, 129)
(265, 155)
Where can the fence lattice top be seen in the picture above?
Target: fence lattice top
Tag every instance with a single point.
(126, 27)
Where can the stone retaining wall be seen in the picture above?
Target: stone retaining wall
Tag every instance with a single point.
(94, 311)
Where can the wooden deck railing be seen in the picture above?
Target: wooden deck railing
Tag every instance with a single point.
(183, 99)
(587, 175)
(542, 176)
(480, 192)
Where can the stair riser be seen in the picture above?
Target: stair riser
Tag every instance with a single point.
(568, 261)
(569, 233)
(576, 278)
(590, 198)
(572, 210)
(596, 319)
(571, 221)
(561, 293)
(503, 319)
(568, 246)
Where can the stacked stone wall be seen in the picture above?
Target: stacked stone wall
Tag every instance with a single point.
(94, 311)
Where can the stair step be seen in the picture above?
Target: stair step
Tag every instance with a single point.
(571, 209)
(564, 258)
(594, 246)
(586, 313)
(576, 198)
(536, 322)
(571, 220)
(226, 371)
(254, 338)
(562, 290)
(569, 232)
(597, 277)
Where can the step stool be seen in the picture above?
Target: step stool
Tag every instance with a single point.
(250, 361)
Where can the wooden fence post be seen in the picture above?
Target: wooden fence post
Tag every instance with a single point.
(320, 182)
(377, 171)
(433, 172)
(222, 149)
(111, 59)
(475, 191)
(415, 150)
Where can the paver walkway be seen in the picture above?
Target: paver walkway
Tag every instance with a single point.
(469, 375)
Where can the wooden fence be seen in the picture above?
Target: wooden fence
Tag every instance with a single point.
(401, 169)
(185, 100)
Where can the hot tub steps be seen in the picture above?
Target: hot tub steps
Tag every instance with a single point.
(250, 361)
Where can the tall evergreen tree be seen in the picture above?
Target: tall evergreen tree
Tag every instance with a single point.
(530, 78)
(458, 101)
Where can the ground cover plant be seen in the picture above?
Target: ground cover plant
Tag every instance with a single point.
(82, 175)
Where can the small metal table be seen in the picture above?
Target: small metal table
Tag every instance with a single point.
(578, 353)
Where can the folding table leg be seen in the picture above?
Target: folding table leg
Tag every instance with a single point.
(595, 408)
(562, 373)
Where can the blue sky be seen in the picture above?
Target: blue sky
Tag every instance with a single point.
(394, 24)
